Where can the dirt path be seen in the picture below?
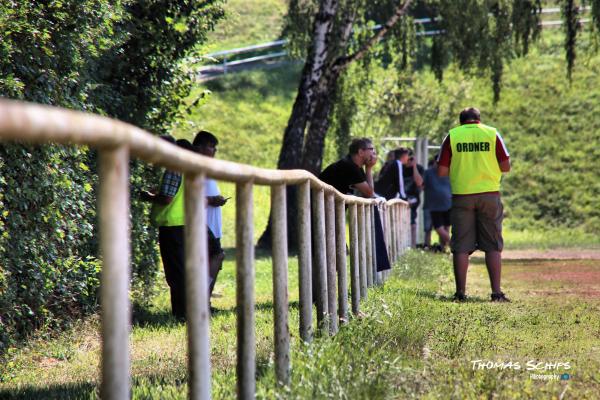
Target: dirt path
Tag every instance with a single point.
(552, 273)
(549, 254)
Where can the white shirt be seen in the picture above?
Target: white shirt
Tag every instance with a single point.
(213, 214)
(401, 179)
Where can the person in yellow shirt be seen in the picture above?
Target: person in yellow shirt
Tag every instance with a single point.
(474, 156)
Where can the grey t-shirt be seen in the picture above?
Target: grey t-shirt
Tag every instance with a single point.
(438, 195)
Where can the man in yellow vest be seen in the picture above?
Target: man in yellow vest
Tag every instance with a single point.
(474, 156)
(168, 215)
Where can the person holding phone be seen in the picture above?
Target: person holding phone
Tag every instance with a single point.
(168, 215)
(413, 183)
(206, 144)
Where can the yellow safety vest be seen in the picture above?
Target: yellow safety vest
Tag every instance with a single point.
(172, 214)
(474, 167)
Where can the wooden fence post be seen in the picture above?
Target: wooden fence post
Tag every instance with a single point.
(394, 231)
(407, 223)
(354, 260)
(376, 275)
(340, 244)
(305, 261)
(398, 229)
(319, 259)
(197, 276)
(246, 351)
(388, 235)
(113, 204)
(369, 246)
(280, 284)
(331, 262)
(362, 251)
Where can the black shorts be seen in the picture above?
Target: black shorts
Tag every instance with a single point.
(214, 244)
(440, 218)
(413, 214)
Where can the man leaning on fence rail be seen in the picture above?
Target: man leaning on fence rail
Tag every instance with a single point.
(347, 176)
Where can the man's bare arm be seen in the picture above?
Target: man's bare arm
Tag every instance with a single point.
(156, 198)
(443, 171)
(417, 176)
(505, 165)
(365, 189)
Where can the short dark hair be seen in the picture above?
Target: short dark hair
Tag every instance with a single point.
(469, 114)
(185, 144)
(400, 151)
(168, 138)
(204, 138)
(358, 144)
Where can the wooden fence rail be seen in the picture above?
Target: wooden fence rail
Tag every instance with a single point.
(321, 233)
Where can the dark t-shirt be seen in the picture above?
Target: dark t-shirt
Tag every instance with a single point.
(410, 187)
(342, 174)
(388, 182)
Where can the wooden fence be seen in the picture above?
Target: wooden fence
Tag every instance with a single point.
(325, 224)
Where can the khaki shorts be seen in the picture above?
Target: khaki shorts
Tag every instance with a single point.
(476, 223)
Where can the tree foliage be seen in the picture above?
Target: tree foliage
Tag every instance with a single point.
(477, 36)
(118, 58)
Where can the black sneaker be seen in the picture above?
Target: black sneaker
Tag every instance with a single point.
(459, 297)
(500, 298)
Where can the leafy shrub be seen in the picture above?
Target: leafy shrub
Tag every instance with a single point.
(117, 58)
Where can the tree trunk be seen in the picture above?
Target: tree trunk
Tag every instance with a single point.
(314, 100)
(290, 156)
(312, 156)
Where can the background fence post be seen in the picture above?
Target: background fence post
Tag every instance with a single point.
(354, 268)
(388, 236)
(369, 246)
(340, 244)
(319, 259)
(394, 232)
(407, 237)
(304, 261)
(398, 222)
(362, 249)
(246, 352)
(280, 283)
(113, 204)
(196, 286)
(331, 262)
(376, 280)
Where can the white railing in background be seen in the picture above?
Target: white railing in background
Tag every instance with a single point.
(223, 67)
(117, 142)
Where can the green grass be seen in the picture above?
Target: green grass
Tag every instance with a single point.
(247, 22)
(248, 112)
(550, 238)
(412, 342)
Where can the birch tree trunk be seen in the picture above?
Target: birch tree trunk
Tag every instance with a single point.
(314, 101)
(290, 156)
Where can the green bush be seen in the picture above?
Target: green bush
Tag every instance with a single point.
(116, 58)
